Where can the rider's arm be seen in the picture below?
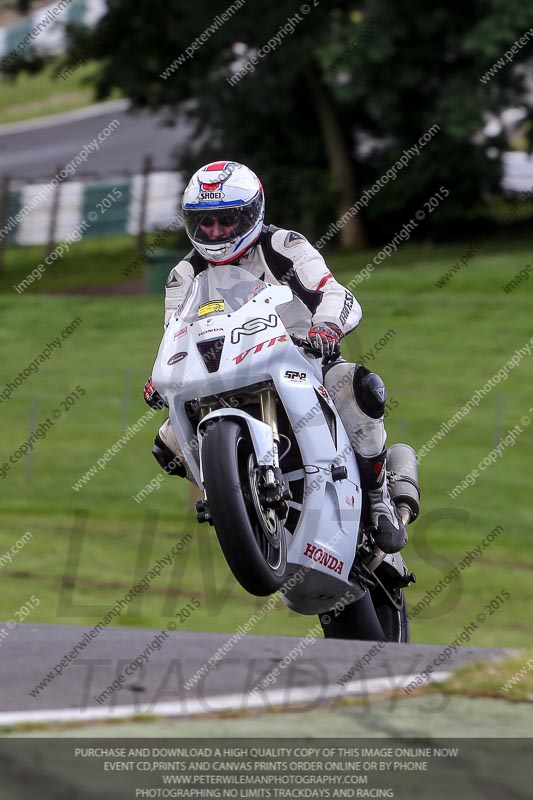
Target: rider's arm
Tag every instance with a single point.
(336, 304)
(177, 286)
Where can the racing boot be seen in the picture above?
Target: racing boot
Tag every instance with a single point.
(390, 534)
(162, 450)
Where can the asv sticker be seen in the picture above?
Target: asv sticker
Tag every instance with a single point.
(253, 326)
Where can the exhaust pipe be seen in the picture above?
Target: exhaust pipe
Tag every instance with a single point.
(402, 473)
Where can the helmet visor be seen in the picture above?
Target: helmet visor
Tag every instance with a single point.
(222, 225)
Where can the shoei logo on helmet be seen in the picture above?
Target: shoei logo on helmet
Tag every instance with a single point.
(205, 195)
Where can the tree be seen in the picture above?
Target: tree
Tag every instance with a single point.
(425, 66)
(281, 118)
(346, 88)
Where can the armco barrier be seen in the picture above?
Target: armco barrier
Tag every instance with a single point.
(65, 207)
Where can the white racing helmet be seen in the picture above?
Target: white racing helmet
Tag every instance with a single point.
(232, 195)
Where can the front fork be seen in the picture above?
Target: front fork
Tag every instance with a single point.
(273, 492)
(202, 510)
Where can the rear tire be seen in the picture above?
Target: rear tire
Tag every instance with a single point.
(371, 618)
(394, 622)
(251, 536)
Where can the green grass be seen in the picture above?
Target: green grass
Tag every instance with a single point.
(447, 343)
(91, 262)
(510, 679)
(45, 93)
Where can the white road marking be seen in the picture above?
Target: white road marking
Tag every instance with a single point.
(290, 697)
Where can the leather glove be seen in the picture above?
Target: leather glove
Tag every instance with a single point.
(325, 336)
(152, 396)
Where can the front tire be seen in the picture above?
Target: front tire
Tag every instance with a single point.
(251, 536)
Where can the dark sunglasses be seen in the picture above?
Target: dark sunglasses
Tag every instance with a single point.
(231, 219)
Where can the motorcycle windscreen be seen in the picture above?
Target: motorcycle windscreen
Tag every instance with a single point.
(219, 290)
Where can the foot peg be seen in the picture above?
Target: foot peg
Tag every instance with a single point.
(202, 512)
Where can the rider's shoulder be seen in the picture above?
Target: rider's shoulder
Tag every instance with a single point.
(284, 240)
(195, 260)
(186, 269)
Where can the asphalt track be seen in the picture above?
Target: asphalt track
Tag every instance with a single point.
(30, 652)
(36, 149)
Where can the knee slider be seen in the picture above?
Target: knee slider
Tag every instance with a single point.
(166, 459)
(370, 393)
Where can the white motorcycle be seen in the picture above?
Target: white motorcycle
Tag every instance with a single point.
(263, 440)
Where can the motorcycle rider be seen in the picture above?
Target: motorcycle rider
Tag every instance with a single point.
(223, 210)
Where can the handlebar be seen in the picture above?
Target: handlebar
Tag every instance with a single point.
(312, 351)
(307, 346)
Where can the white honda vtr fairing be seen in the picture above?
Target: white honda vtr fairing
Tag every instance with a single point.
(263, 440)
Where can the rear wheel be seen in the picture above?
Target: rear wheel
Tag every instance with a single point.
(394, 621)
(371, 618)
(251, 535)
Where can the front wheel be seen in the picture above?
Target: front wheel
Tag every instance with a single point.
(251, 536)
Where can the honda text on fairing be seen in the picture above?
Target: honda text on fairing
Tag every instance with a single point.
(263, 440)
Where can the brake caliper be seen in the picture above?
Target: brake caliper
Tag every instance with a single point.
(273, 492)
